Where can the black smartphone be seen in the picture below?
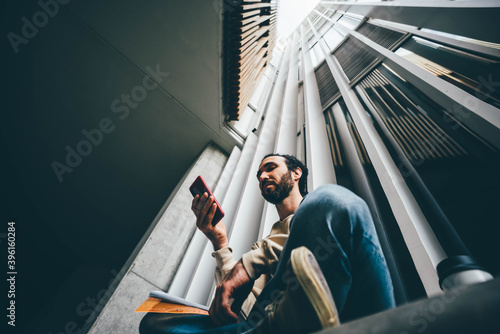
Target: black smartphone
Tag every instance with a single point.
(199, 187)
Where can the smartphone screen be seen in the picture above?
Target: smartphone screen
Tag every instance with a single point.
(198, 188)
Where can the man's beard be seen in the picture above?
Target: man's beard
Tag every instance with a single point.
(281, 191)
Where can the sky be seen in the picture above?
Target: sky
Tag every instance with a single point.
(291, 13)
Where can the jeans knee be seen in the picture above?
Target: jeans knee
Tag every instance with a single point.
(332, 197)
(146, 324)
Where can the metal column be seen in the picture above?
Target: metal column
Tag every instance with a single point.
(319, 157)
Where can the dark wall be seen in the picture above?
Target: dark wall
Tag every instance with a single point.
(75, 231)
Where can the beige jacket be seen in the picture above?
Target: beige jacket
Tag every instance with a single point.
(260, 262)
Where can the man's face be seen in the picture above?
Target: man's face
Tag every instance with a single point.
(275, 180)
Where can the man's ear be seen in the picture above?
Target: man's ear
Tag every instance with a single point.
(297, 173)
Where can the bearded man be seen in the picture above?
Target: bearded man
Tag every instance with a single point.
(320, 265)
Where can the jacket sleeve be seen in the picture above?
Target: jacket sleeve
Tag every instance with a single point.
(264, 255)
(224, 263)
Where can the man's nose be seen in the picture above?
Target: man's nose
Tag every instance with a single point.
(263, 176)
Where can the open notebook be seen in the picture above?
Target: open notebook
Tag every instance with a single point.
(162, 302)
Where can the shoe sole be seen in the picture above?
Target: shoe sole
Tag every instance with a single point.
(314, 284)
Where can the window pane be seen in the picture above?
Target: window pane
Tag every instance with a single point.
(325, 27)
(317, 54)
(332, 38)
(349, 22)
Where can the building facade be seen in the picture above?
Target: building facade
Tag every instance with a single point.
(397, 101)
(403, 114)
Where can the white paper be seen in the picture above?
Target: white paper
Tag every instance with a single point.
(175, 300)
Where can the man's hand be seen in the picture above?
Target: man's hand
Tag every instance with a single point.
(204, 208)
(237, 285)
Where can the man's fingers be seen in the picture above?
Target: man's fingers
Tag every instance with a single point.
(202, 201)
(204, 208)
(207, 205)
(214, 308)
(220, 310)
(199, 208)
(225, 316)
(237, 304)
(226, 313)
(205, 211)
(210, 216)
(194, 203)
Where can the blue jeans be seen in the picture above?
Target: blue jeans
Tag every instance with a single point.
(336, 226)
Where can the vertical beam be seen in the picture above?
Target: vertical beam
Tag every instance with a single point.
(269, 77)
(319, 156)
(245, 229)
(422, 244)
(364, 190)
(286, 142)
